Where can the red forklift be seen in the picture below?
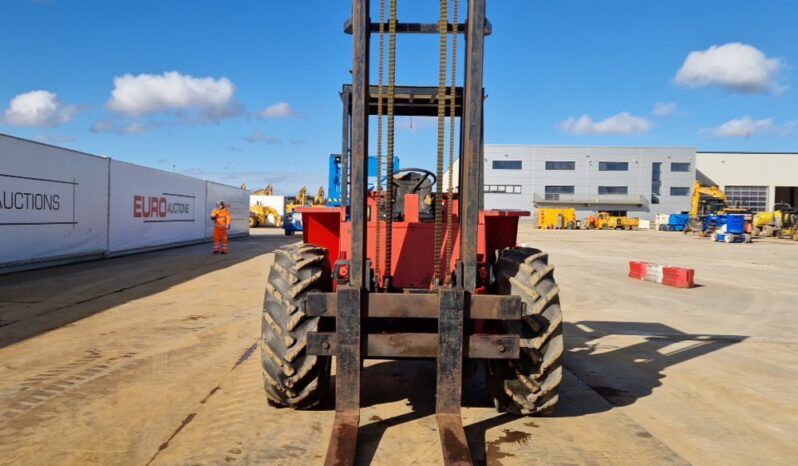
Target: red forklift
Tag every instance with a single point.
(412, 270)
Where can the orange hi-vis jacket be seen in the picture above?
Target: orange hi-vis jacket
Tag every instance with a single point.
(221, 218)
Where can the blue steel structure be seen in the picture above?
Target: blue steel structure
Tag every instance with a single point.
(334, 177)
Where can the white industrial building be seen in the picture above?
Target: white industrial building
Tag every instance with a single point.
(754, 180)
(633, 181)
(626, 181)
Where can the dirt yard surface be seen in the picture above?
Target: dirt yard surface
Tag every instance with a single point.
(153, 360)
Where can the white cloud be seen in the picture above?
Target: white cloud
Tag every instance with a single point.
(54, 138)
(134, 128)
(746, 127)
(734, 66)
(109, 126)
(278, 110)
(663, 109)
(150, 93)
(38, 108)
(260, 137)
(621, 124)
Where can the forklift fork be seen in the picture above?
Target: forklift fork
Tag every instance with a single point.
(449, 346)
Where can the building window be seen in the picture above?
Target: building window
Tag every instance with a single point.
(754, 198)
(607, 190)
(560, 165)
(506, 164)
(503, 188)
(553, 192)
(680, 167)
(656, 182)
(677, 191)
(613, 166)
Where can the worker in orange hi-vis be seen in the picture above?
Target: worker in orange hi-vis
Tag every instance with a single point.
(221, 223)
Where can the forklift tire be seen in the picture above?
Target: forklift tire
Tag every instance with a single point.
(768, 231)
(755, 231)
(292, 378)
(530, 384)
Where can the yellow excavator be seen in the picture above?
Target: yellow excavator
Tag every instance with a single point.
(267, 191)
(319, 200)
(707, 201)
(300, 200)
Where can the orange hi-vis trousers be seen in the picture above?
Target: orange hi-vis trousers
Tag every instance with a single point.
(220, 239)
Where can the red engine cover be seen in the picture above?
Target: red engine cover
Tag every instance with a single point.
(412, 262)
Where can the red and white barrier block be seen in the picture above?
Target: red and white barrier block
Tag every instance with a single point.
(677, 277)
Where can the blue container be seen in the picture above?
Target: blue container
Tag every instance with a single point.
(735, 224)
(678, 220)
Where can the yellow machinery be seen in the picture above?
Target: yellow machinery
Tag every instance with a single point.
(319, 199)
(605, 221)
(708, 200)
(300, 200)
(556, 219)
(782, 221)
(267, 191)
(261, 215)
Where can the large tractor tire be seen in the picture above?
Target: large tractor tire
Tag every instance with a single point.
(293, 378)
(530, 384)
(253, 221)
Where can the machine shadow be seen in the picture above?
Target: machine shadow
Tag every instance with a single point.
(625, 361)
(599, 376)
(37, 301)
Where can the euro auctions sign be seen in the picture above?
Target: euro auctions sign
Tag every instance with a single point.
(26, 200)
(164, 207)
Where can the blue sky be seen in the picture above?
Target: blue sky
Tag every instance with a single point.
(248, 91)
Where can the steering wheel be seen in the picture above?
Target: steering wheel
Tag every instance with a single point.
(427, 174)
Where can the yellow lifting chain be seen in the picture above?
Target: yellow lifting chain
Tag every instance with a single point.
(379, 144)
(389, 162)
(444, 36)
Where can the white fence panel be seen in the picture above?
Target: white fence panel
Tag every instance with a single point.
(154, 208)
(53, 202)
(238, 202)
